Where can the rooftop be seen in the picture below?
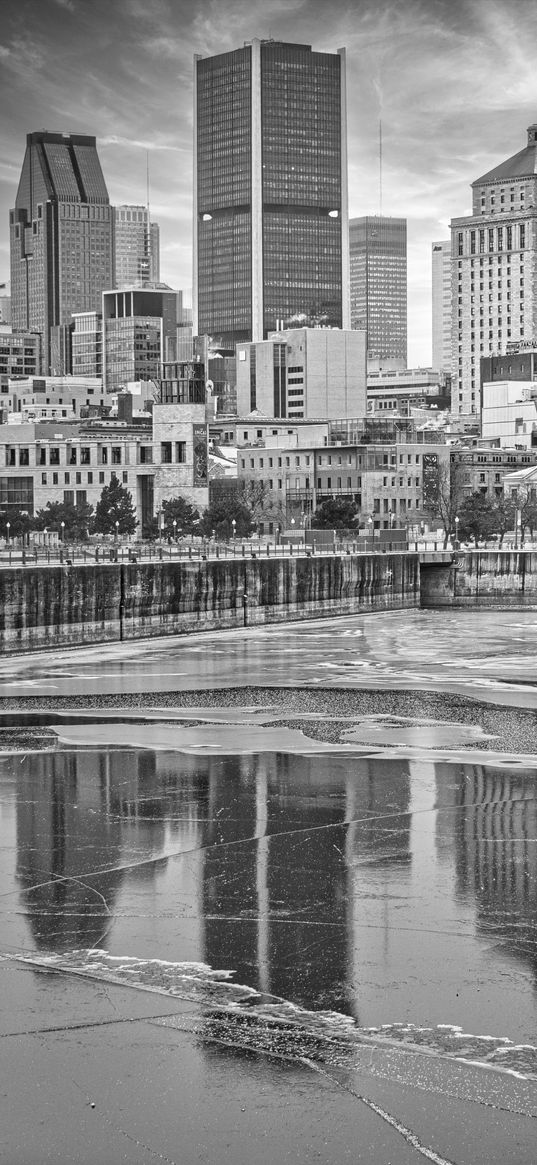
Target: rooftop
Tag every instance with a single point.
(521, 165)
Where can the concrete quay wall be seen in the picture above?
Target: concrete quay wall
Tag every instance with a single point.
(484, 578)
(55, 606)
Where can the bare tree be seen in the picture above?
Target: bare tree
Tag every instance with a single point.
(446, 496)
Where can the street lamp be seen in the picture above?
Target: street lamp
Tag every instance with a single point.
(8, 528)
(62, 524)
(117, 529)
(370, 530)
(457, 520)
(234, 525)
(174, 524)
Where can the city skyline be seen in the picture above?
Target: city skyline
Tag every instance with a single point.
(453, 84)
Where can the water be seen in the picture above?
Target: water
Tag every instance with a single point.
(333, 875)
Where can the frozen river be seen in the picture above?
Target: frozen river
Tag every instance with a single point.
(272, 895)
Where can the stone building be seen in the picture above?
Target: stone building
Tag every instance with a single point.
(155, 456)
(494, 270)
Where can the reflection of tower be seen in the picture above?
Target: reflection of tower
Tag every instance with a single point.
(379, 859)
(64, 834)
(276, 908)
(495, 830)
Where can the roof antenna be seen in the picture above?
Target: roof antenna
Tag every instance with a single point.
(380, 168)
(148, 231)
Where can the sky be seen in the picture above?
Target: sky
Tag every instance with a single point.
(453, 82)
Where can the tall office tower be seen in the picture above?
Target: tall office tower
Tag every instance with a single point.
(136, 247)
(494, 271)
(441, 304)
(60, 234)
(379, 287)
(139, 333)
(270, 191)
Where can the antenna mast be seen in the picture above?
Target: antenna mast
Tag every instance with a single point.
(148, 233)
(380, 168)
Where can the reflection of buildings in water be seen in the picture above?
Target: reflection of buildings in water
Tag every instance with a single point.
(277, 907)
(494, 826)
(63, 836)
(79, 812)
(379, 857)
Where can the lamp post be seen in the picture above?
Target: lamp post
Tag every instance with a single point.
(117, 529)
(457, 520)
(234, 527)
(174, 524)
(370, 531)
(62, 524)
(8, 528)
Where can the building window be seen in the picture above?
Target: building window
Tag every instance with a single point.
(67, 478)
(166, 452)
(54, 456)
(90, 478)
(116, 454)
(24, 456)
(43, 479)
(84, 456)
(101, 478)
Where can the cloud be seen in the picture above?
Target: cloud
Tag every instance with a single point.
(67, 4)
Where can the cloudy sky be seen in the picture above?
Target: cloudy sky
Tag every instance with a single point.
(453, 81)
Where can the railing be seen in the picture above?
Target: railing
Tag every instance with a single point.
(197, 550)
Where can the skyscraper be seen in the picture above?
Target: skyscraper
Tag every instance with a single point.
(270, 191)
(441, 304)
(494, 271)
(60, 234)
(136, 247)
(378, 275)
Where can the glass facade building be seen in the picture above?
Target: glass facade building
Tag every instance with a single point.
(378, 273)
(60, 234)
(136, 247)
(270, 191)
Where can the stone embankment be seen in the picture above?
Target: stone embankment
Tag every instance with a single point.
(484, 578)
(70, 605)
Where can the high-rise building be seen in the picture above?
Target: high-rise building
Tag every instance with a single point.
(60, 234)
(139, 333)
(441, 304)
(494, 271)
(136, 247)
(378, 280)
(270, 191)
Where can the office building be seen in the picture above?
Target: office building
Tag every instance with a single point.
(494, 270)
(156, 456)
(401, 390)
(378, 287)
(87, 344)
(5, 303)
(136, 247)
(303, 373)
(441, 304)
(139, 333)
(270, 191)
(20, 353)
(60, 235)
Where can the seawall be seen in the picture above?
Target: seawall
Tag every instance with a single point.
(484, 578)
(55, 606)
